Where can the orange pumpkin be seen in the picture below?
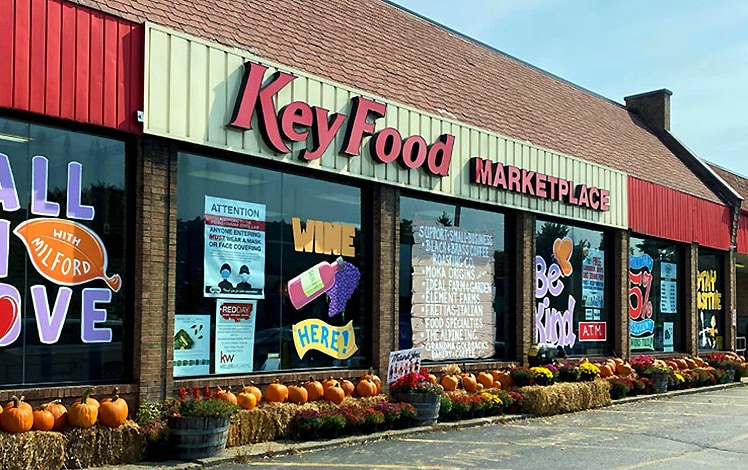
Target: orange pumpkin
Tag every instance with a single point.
(83, 412)
(335, 394)
(246, 400)
(17, 416)
(433, 379)
(43, 419)
(314, 389)
(276, 392)
(113, 411)
(377, 381)
(347, 387)
(254, 390)
(329, 382)
(374, 378)
(624, 369)
(605, 370)
(699, 361)
(226, 395)
(504, 378)
(469, 383)
(691, 363)
(366, 388)
(618, 361)
(297, 394)
(485, 379)
(449, 382)
(60, 413)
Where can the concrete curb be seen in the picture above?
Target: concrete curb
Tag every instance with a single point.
(277, 448)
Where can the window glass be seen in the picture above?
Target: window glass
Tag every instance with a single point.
(571, 299)
(453, 292)
(709, 290)
(257, 256)
(656, 311)
(64, 270)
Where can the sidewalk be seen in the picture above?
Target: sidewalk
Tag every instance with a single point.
(276, 448)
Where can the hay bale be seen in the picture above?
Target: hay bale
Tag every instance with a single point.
(100, 445)
(251, 426)
(32, 450)
(271, 421)
(565, 397)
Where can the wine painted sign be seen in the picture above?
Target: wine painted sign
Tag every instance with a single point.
(64, 252)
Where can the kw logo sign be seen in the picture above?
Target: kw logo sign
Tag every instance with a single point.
(227, 358)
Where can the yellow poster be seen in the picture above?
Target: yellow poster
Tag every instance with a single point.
(336, 341)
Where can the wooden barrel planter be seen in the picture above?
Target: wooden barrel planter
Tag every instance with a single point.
(659, 382)
(426, 404)
(197, 437)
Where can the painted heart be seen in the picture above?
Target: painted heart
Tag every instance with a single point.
(8, 314)
(562, 249)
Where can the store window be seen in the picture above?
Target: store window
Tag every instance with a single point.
(571, 300)
(453, 289)
(710, 284)
(656, 310)
(63, 273)
(271, 270)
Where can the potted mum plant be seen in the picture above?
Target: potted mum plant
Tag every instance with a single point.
(152, 419)
(418, 389)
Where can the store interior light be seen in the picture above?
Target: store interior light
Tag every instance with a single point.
(14, 138)
(340, 197)
(226, 177)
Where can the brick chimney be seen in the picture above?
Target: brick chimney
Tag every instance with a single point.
(652, 107)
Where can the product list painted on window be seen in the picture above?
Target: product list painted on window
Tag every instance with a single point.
(452, 311)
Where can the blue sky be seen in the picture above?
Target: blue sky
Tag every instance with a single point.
(696, 49)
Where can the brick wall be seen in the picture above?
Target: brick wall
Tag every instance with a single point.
(620, 294)
(524, 233)
(690, 272)
(385, 263)
(156, 252)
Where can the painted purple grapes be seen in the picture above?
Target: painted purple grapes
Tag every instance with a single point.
(346, 281)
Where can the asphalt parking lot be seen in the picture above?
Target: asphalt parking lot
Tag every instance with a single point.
(702, 430)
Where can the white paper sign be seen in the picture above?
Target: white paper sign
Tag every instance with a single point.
(235, 336)
(191, 345)
(234, 259)
(669, 288)
(403, 362)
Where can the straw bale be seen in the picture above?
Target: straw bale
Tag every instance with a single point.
(100, 445)
(270, 421)
(32, 450)
(565, 397)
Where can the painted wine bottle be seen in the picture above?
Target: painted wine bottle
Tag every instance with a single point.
(313, 282)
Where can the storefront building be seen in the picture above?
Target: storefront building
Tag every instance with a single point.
(740, 184)
(199, 203)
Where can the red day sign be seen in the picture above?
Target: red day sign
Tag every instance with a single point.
(236, 311)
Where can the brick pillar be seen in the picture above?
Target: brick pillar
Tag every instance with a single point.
(154, 273)
(690, 278)
(524, 239)
(619, 308)
(386, 263)
(729, 301)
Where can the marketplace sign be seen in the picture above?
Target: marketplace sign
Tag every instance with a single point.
(511, 178)
(297, 120)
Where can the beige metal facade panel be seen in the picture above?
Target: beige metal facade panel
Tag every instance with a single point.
(191, 87)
